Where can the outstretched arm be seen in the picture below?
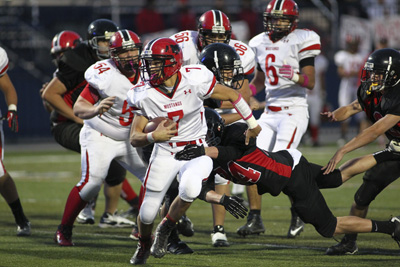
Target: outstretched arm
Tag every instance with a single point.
(358, 165)
(362, 139)
(343, 113)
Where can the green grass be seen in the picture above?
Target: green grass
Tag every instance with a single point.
(44, 180)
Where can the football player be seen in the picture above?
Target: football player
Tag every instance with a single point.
(62, 92)
(107, 119)
(287, 171)
(61, 42)
(379, 96)
(214, 27)
(174, 91)
(7, 186)
(285, 68)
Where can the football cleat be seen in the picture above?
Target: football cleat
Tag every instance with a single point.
(86, 216)
(185, 226)
(132, 212)
(296, 225)
(159, 247)
(218, 237)
(396, 232)
(63, 236)
(176, 245)
(135, 233)
(109, 220)
(24, 229)
(142, 252)
(344, 247)
(253, 226)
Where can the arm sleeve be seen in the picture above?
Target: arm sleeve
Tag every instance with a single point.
(90, 94)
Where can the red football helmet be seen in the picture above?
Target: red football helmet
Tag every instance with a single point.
(122, 42)
(212, 25)
(63, 41)
(276, 11)
(161, 59)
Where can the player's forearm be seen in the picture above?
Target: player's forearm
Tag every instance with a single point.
(59, 105)
(364, 138)
(84, 110)
(213, 197)
(343, 113)
(8, 89)
(211, 151)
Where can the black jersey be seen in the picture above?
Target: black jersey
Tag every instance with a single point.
(251, 165)
(71, 71)
(377, 104)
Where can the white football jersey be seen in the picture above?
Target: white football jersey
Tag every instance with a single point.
(3, 62)
(290, 50)
(188, 42)
(185, 106)
(349, 62)
(106, 78)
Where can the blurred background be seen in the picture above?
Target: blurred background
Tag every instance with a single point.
(28, 26)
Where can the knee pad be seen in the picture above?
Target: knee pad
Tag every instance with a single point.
(366, 194)
(148, 212)
(90, 190)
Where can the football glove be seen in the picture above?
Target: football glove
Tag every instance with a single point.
(234, 206)
(190, 152)
(394, 146)
(12, 118)
(287, 72)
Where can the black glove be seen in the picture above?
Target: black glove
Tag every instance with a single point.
(234, 206)
(190, 152)
(12, 119)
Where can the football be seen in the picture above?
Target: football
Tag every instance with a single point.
(153, 124)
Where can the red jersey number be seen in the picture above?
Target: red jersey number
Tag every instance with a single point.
(270, 71)
(181, 37)
(176, 116)
(242, 174)
(126, 109)
(101, 67)
(240, 49)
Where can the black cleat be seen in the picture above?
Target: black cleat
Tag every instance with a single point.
(254, 226)
(159, 247)
(142, 252)
(296, 225)
(396, 232)
(185, 226)
(344, 247)
(176, 245)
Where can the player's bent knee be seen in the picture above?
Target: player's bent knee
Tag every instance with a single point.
(366, 194)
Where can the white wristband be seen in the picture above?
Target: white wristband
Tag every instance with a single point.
(150, 138)
(12, 107)
(252, 122)
(295, 77)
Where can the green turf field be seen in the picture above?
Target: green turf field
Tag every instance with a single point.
(44, 180)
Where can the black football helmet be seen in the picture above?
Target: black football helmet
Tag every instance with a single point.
(215, 127)
(101, 30)
(381, 70)
(225, 63)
